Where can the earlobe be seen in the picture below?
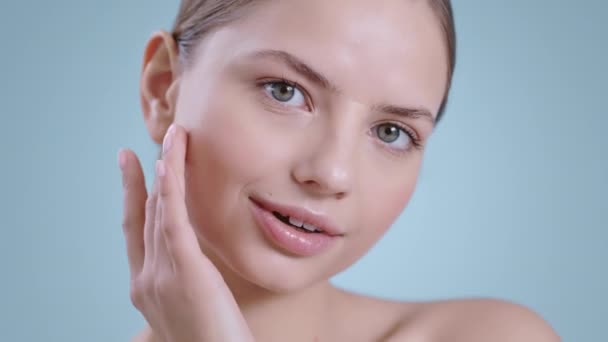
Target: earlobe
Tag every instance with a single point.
(159, 84)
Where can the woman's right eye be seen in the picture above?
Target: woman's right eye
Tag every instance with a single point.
(285, 93)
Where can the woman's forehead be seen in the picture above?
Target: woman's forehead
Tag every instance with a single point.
(390, 51)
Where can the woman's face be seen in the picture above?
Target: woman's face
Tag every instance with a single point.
(320, 106)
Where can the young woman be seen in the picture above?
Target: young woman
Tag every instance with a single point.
(292, 135)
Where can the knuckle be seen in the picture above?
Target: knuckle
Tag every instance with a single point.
(146, 284)
(128, 223)
(137, 294)
(168, 231)
(150, 203)
(162, 285)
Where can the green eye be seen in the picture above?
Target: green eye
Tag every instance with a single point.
(388, 133)
(394, 136)
(282, 91)
(285, 93)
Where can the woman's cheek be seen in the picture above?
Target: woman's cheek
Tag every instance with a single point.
(385, 196)
(235, 146)
(250, 144)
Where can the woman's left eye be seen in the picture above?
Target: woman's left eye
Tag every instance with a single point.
(285, 93)
(394, 136)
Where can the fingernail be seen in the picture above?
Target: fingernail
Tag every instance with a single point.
(122, 159)
(168, 138)
(160, 168)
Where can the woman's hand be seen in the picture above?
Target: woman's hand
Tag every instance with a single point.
(173, 284)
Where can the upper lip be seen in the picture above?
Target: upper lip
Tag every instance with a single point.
(319, 220)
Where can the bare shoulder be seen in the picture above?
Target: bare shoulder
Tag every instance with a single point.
(472, 320)
(144, 336)
(359, 317)
(364, 318)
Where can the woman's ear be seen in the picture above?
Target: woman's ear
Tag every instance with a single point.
(159, 84)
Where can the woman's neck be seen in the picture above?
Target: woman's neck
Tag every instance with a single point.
(273, 316)
(282, 317)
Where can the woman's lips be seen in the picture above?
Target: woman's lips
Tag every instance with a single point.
(320, 221)
(289, 238)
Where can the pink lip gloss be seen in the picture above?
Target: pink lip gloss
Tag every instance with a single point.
(290, 238)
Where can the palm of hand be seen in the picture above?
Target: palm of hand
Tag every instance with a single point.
(174, 285)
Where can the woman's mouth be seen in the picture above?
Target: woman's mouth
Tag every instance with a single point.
(295, 230)
(298, 217)
(305, 227)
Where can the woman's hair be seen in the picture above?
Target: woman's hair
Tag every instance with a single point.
(199, 17)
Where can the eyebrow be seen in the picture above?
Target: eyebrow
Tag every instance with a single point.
(297, 65)
(407, 112)
(314, 76)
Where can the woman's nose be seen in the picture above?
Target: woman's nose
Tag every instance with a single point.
(327, 169)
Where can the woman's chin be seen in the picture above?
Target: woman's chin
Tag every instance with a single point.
(271, 270)
(247, 259)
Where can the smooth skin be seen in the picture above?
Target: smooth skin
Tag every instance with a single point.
(184, 298)
(168, 270)
(201, 270)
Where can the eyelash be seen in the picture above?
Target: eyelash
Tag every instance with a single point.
(415, 140)
(264, 82)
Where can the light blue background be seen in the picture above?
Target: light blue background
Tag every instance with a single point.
(511, 202)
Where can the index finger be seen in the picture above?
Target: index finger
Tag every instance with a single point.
(135, 195)
(174, 152)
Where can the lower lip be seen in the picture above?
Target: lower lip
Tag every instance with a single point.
(290, 238)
